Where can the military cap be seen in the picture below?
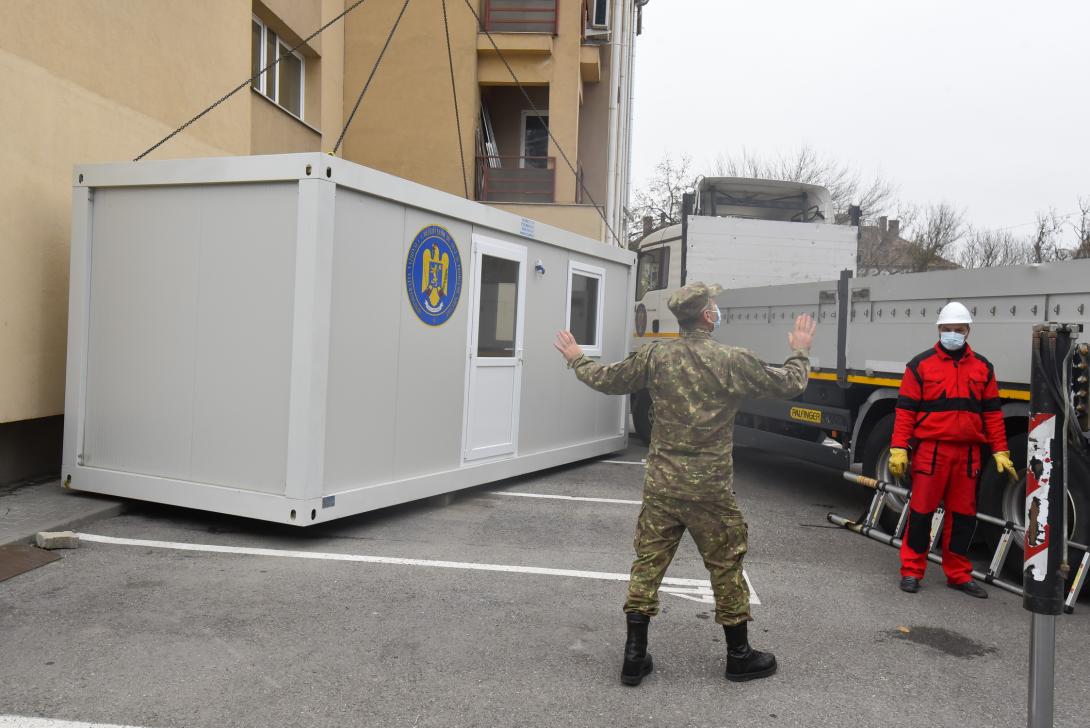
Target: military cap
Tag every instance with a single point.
(688, 301)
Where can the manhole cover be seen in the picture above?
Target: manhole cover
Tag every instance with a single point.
(18, 558)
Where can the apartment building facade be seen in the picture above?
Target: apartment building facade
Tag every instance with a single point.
(91, 81)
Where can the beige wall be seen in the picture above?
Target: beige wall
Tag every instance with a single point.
(581, 219)
(594, 133)
(332, 82)
(411, 112)
(88, 81)
(277, 132)
(406, 123)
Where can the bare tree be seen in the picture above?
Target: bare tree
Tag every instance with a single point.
(1081, 227)
(1045, 244)
(846, 185)
(933, 232)
(991, 248)
(660, 197)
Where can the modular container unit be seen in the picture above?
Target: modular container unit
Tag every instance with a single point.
(297, 338)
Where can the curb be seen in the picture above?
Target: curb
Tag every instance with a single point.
(70, 523)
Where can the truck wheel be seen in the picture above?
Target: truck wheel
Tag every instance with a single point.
(876, 465)
(1012, 505)
(643, 415)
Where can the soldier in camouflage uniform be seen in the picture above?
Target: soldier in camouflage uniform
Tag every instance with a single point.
(696, 385)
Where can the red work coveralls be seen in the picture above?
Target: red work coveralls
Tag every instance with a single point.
(948, 407)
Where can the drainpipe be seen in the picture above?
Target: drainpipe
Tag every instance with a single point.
(615, 138)
(630, 36)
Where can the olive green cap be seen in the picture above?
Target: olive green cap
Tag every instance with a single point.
(688, 301)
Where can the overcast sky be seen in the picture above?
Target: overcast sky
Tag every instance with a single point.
(984, 104)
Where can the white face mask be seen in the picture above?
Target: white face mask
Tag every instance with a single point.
(718, 317)
(951, 340)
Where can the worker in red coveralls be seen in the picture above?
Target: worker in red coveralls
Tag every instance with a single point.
(948, 408)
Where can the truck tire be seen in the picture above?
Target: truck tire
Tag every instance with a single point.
(876, 465)
(643, 415)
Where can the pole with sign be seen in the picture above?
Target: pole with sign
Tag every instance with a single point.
(1045, 567)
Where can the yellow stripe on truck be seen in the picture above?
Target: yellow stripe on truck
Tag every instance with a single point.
(1020, 394)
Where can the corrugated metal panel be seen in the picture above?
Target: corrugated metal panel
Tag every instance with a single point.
(431, 366)
(368, 276)
(741, 253)
(190, 332)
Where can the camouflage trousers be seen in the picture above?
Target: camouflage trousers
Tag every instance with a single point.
(720, 534)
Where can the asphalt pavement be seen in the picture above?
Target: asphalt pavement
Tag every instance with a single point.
(503, 608)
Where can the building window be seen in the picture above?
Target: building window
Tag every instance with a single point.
(584, 315)
(284, 82)
(599, 17)
(535, 140)
(653, 271)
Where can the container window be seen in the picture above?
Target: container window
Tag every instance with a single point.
(653, 271)
(498, 319)
(585, 289)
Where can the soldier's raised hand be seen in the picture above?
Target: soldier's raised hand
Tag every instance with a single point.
(803, 334)
(565, 343)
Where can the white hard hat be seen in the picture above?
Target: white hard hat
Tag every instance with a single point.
(954, 313)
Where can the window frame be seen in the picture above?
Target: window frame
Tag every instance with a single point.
(526, 114)
(263, 61)
(663, 253)
(588, 271)
(595, 4)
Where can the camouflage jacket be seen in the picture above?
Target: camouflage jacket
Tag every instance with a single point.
(696, 385)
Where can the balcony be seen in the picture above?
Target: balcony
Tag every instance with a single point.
(516, 179)
(520, 16)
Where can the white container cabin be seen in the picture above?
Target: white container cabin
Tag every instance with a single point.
(297, 338)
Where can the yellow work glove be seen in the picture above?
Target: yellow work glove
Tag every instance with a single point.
(1004, 464)
(898, 462)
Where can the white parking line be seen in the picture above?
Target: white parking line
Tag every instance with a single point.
(704, 587)
(21, 721)
(705, 598)
(568, 497)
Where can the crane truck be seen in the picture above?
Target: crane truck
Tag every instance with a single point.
(777, 252)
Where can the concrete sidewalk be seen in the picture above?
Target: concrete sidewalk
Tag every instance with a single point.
(28, 508)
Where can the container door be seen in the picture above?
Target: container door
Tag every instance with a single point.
(495, 349)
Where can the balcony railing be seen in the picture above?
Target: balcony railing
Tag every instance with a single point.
(520, 16)
(516, 179)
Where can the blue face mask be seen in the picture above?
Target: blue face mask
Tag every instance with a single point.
(718, 318)
(951, 340)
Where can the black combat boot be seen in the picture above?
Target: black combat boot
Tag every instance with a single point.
(744, 662)
(637, 663)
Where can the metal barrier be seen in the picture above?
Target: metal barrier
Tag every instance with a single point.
(867, 526)
(516, 179)
(520, 16)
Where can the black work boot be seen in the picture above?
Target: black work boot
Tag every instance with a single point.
(637, 663)
(971, 588)
(744, 662)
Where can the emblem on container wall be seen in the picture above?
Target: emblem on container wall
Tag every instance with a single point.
(433, 275)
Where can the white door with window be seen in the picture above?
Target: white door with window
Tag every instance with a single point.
(495, 349)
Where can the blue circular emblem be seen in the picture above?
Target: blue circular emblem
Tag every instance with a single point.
(433, 275)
